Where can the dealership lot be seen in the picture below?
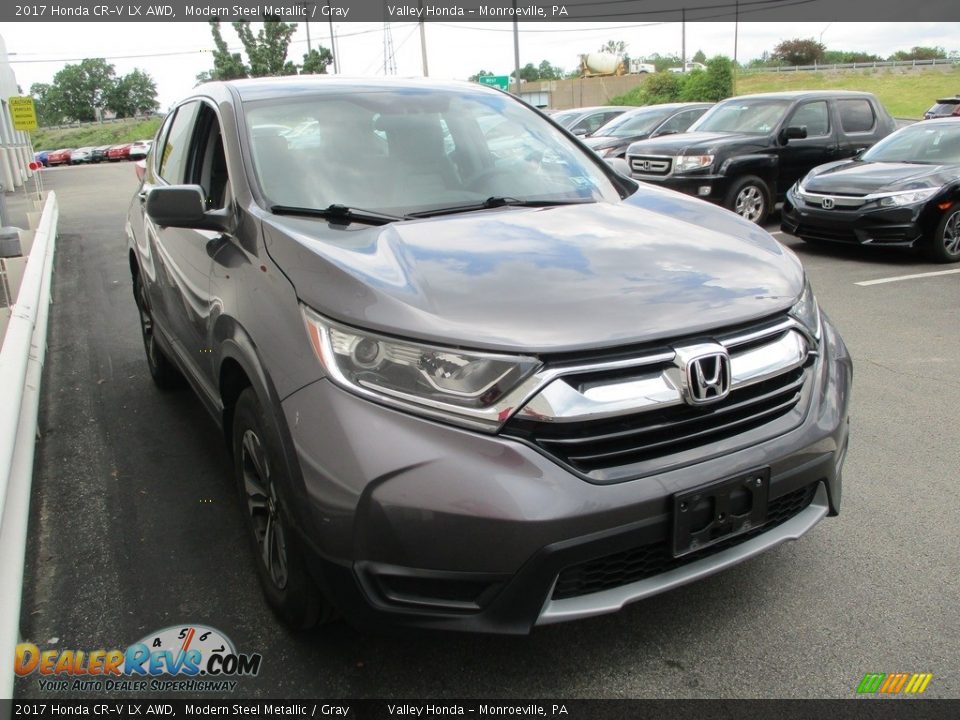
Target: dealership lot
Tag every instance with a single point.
(135, 524)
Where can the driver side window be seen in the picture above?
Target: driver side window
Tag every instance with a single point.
(207, 166)
(814, 116)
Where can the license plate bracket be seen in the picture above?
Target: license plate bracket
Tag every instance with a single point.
(719, 510)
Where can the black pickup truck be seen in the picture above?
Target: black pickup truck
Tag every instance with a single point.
(747, 151)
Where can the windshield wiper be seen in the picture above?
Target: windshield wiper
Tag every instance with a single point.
(339, 212)
(496, 201)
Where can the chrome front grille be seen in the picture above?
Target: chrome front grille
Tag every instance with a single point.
(616, 423)
(651, 164)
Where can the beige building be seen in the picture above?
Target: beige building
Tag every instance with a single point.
(15, 154)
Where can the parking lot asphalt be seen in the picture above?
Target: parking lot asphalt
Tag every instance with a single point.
(135, 525)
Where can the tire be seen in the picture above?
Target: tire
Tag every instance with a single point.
(944, 246)
(750, 199)
(287, 585)
(165, 375)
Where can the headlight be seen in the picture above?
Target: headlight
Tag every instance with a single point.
(471, 387)
(907, 197)
(686, 163)
(806, 312)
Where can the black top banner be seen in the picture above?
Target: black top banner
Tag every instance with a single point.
(489, 11)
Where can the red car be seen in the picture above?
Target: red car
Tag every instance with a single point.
(119, 152)
(59, 157)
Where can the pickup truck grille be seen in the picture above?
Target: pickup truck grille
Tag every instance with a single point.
(651, 164)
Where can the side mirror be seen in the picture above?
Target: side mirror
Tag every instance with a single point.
(184, 206)
(140, 168)
(793, 133)
(661, 133)
(580, 132)
(620, 165)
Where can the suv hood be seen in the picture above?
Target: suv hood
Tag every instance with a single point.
(540, 280)
(854, 177)
(602, 142)
(697, 143)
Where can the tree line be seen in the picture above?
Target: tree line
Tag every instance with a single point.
(83, 92)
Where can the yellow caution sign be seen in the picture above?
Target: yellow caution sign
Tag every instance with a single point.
(23, 112)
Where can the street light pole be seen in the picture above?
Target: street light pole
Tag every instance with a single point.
(333, 41)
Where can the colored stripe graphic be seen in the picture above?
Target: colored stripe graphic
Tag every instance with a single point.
(918, 683)
(871, 682)
(894, 683)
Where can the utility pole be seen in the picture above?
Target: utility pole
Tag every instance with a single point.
(683, 40)
(333, 41)
(516, 49)
(306, 22)
(423, 43)
(736, 37)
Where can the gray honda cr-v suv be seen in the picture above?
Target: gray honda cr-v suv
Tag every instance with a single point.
(470, 377)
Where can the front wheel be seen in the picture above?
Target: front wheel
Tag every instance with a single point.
(750, 199)
(164, 374)
(944, 246)
(284, 579)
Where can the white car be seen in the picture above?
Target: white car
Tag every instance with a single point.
(689, 67)
(81, 155)
(139, 149)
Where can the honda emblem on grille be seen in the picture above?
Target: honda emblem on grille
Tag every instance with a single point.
(705, 373)
(645, 165)
(827, 203)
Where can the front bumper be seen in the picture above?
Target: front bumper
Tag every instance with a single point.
(706, 187)
(416, 523)
(897, 227)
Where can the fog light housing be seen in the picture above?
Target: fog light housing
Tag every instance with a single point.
(703, 190)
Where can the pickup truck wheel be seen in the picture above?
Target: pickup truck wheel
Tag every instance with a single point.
(944, 246)
(749, 199)
(165, 375)
(287, 585)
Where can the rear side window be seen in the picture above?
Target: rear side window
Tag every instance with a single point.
(856, 115)
(173, 157)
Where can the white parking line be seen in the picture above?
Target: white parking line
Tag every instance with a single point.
(898, 278)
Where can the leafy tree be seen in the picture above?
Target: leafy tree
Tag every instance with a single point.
(798, 52)
(80, 91)
(919, 52)
(614, 47)
(316, 61)
(476, 77)
(267, 50)
(528, 72)
(845, 56)
(663, 87)
(699, 57)
(226, 65)
(663, 62)
(47, 101)
(133, 94)
(549, 72)
(710, 85)
(266, 53)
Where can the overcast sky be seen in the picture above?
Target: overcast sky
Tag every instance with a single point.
(454, 50)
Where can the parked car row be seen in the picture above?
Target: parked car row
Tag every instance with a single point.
(81, 156)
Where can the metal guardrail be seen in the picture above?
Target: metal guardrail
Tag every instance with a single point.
(21, 364)
(847, 66)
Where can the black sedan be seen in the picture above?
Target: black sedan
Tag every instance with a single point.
(904, 191)
(613, 139)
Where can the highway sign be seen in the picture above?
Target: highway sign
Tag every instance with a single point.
(497, 81)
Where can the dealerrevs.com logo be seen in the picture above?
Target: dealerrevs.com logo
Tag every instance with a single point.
(187, 658)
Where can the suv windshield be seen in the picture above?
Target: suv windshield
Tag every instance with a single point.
(920, 143)
(631, 123)
(757, 117)
(402, 152)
